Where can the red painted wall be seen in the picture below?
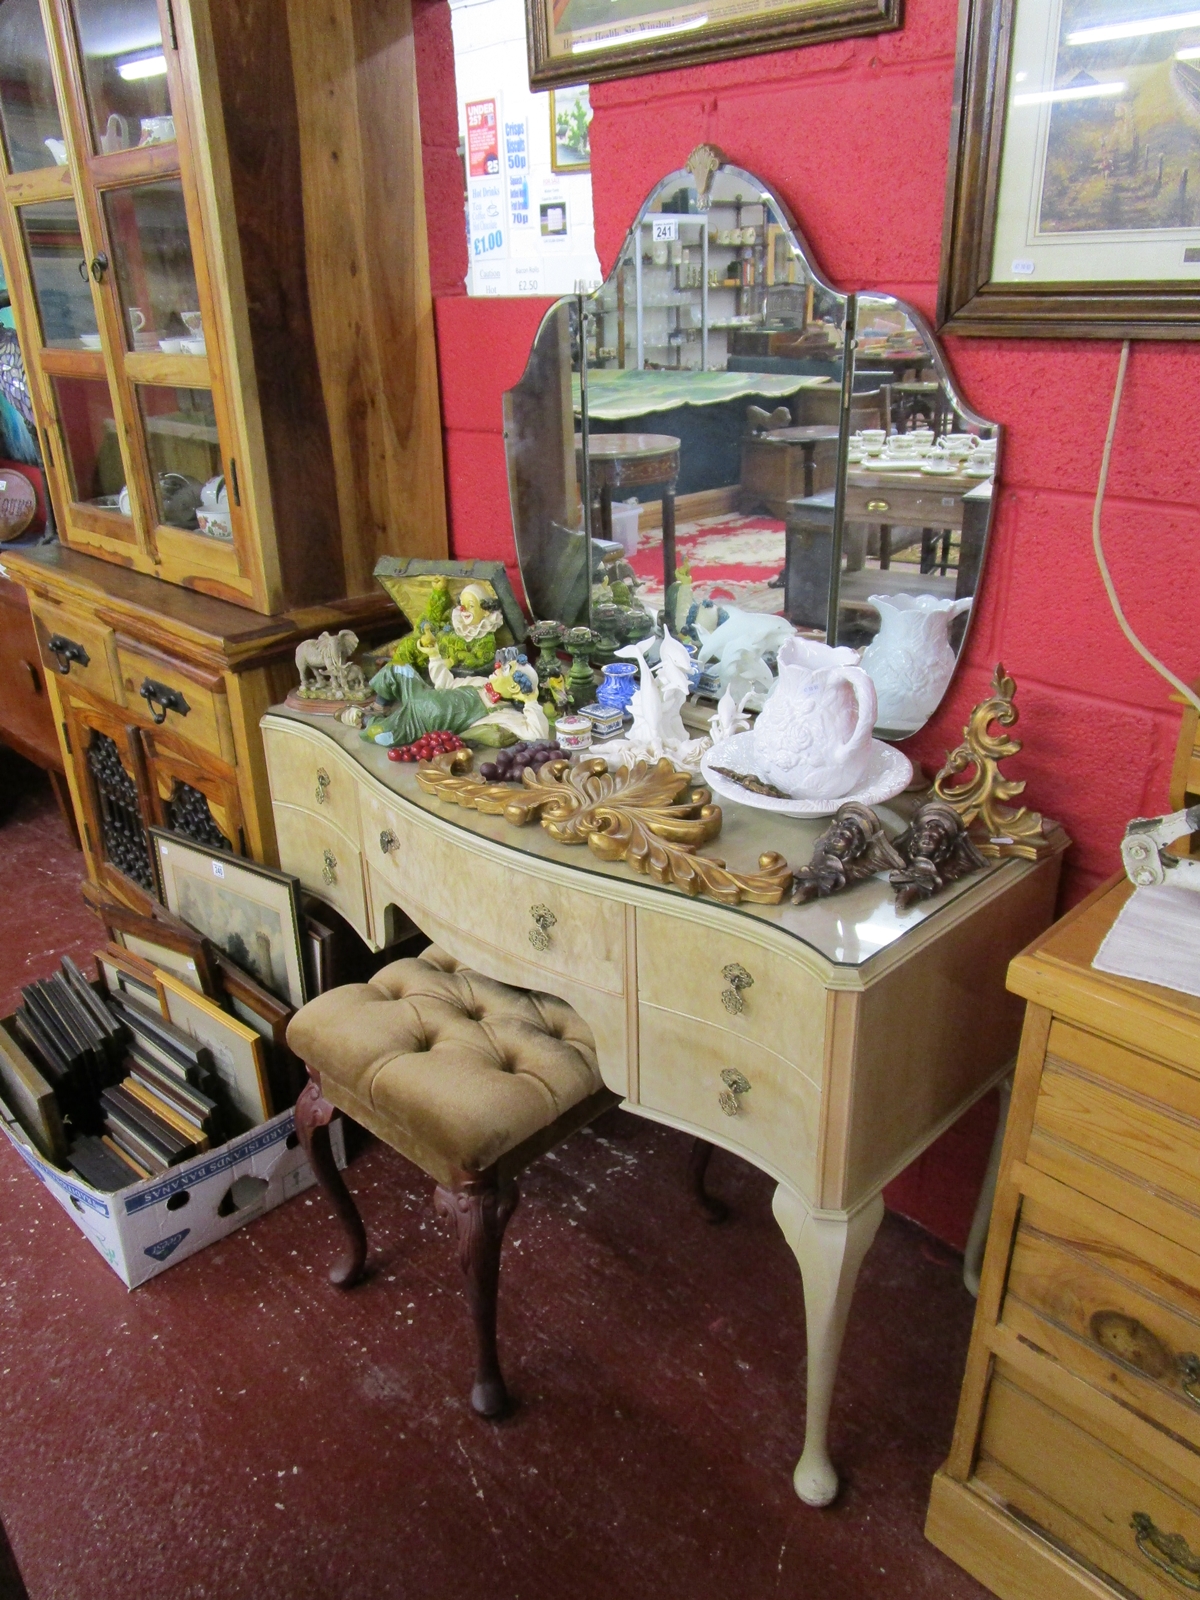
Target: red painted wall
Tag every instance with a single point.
(854, 137)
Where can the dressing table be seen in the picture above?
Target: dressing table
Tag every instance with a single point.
(827, 1044)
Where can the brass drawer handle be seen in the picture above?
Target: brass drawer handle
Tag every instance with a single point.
(329, 872)
(1189, 1375)
(738, 979)
(388, 841)
(736, 1084)
(323, 782)
(161, 699)
(544, 919)
(878, 505)
(65, 651)
(1170, 1552)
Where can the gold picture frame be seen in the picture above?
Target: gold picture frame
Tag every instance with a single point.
(575, 41)
(237, 1050)
(572, 138)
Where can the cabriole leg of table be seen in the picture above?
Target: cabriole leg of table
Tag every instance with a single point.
(830, 1249)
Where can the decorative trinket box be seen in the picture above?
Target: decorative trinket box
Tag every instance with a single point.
(574, 733)
(606, 721)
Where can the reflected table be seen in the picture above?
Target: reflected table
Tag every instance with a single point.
(781, 464)
(619, 461)
(827, 1044)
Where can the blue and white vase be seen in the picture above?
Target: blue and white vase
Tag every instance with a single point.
(618, 686)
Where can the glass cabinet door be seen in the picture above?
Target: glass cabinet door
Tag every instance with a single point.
(184, 446)
(88, 429)
(29, 117)
(124, 74)
(152, 257)
(58, 268)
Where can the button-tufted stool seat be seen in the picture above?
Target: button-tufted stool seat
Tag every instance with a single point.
(470, 1079)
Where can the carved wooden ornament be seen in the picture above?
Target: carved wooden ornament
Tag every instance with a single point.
(650, 816)
(997, 830)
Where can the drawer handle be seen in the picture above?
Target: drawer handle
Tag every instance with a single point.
(65, 651)
(329, 871)
(1170, 1552)
(388, 841)
(878, 505)
(1189, 1375)
(738, 979)
(544, 920)
(162, 699)
(323, 781)
(736, 1084)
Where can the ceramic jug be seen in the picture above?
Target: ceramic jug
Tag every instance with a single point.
(910, 660)
(813, 736)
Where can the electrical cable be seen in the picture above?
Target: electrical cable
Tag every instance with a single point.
(1189, 694)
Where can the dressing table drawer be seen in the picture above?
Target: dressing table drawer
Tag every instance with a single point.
(747, 1096)
(735, 984)
(558, 930)
(326, 861)
(307, 774)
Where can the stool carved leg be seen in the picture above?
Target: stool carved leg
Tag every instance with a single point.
(313, 1116)
(714, 1210)
(480, 1210)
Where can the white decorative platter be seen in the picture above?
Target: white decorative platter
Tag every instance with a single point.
(888, 775)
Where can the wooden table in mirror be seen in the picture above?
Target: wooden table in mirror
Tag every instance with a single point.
(828, 1044)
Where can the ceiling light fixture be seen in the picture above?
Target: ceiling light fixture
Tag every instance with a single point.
(1085, 91)
(152, 66)
(1135, 28)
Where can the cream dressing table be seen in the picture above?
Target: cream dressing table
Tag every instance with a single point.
(859, 1034)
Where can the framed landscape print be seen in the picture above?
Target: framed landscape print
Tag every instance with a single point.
(570, 124)
(251, 912)
(1073, 207)
(582, 41)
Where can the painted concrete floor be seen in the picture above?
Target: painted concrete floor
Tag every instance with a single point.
(237, 1428)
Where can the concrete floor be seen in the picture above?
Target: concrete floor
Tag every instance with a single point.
(237, 1428)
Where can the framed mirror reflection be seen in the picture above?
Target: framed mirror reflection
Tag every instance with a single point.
(719, 439)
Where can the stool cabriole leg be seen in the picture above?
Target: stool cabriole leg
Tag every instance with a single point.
(313, 1116)
(480, 1210)
(714, 1210)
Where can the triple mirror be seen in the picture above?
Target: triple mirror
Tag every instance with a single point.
(718, 430)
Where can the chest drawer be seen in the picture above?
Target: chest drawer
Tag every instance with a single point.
(1127, 1524)
(326, 861)
(181, 701)
(302, 774)
(554, 928)
(745, 1095)
(757, 995)
(78, 648)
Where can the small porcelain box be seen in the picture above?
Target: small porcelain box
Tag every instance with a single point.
(574, 733)
(606, 721)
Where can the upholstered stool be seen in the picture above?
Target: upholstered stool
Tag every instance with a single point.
(471, 1080)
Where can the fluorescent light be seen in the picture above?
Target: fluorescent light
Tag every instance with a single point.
(1086, 91)
(1192, 53)
(154, 66)
(1135, 28)
(631, 34)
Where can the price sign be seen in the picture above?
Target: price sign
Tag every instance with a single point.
(664, 229)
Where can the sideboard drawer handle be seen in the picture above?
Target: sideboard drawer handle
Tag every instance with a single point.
(1170, 1552)
(878, 505)
(323, 781)
(738, 980)
(736, 1084)
(388, 841)
(544, 919)
(65, 651)
(1189, 1375)
(329, 872)
(161, 699)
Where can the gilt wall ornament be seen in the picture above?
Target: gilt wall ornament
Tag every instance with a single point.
(998, 830)
(649, 815)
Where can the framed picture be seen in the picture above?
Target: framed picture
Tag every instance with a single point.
(237, 1051)
(251, 912)
(1073, 204)
(269, 1017)
(582, 41)
(122, 972)
(570, 129)
(157, 942)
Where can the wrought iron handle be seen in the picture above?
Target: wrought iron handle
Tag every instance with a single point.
(1170, 1552)
(736, 1084)
(388, 841)
(161, 699)
(329, 871)
(738, 979)
(323, 781)
(544, 919)
(1189, 1375)
(99, 266)
(65, 651)
(878, 505)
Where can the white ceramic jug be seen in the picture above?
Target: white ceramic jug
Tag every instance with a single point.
(910, 659)
(813, 736)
